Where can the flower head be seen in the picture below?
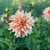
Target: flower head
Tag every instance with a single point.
(6, 9)
(21, 23)
(33, 4)
(20, 6)
(2, 18)
(47, 13)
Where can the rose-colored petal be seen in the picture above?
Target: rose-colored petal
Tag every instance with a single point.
(36, 19)
(2, 18)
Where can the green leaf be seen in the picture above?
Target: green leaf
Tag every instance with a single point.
(1, 32)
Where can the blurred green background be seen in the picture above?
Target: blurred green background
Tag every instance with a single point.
(39, 39)
(41, 4)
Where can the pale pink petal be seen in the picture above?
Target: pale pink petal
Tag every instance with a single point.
(2, 18)
(36, 19)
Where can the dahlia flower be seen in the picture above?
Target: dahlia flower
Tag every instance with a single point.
(21, 23)
(47, 13)
(2, 18)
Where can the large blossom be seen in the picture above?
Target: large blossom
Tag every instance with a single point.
(47, 13)
(21, 23)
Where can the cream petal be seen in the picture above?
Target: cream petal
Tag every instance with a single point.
(16, 33)
(29, 14)
(9, 29)
(22, 29)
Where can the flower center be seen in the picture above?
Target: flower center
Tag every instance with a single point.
(49, 11)
(23, 23)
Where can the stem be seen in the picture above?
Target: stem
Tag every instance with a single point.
(31, 45)
(48, 29)
(16, 40)
(27, 9)
(12, 41)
